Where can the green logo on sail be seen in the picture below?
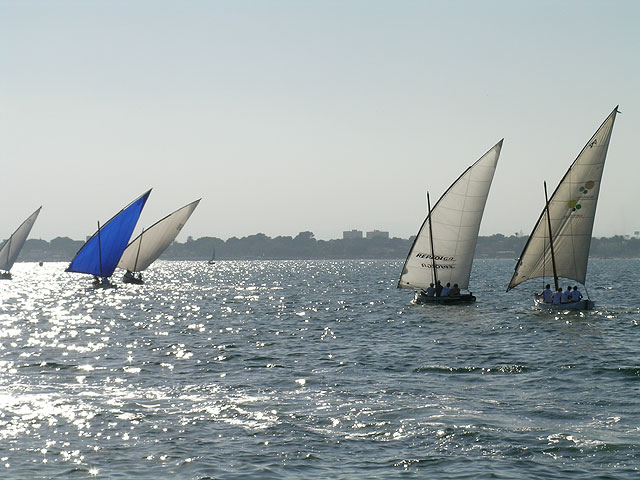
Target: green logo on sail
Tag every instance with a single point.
(583, 189)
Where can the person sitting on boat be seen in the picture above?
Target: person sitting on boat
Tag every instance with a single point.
(576, 296)
(429, 292)
(557, 297)
(438, 288)
(128, 275)
(446, 290)
(455, 291)
(547, 294)
(566, 295)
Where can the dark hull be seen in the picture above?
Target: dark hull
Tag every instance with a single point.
(421, 298)
(135, 281)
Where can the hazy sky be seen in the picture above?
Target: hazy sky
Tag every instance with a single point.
(286, 116)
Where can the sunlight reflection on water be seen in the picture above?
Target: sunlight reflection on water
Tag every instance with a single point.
(239, 368)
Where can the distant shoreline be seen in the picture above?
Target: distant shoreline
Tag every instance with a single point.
(305, 247)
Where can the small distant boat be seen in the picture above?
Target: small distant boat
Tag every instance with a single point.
(11, 247)
(100, 255)
(213, 257)
(444, 246)
(560, 241)
(149, 245)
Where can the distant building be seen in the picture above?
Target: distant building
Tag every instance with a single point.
(352, 235)
(377, 234)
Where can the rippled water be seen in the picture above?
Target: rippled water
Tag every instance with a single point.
(314, 369)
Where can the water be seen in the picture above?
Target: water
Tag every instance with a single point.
(314, 369)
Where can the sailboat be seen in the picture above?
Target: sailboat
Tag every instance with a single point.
(444, 246)
(149, 245)
(213, 257)
(559, 243)
(12, 246)
(100, 255)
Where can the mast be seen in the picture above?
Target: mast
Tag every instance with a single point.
(553, 258)
(99, 248)
(135, 265)
(9, 248)
(433, 255)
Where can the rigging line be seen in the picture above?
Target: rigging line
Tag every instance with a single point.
(544, 256)
(433, 255)
(553, 259)
(99, 249)
(135, 265)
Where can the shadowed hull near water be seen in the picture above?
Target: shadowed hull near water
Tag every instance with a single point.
(585, 304)
(421, 298)
(317, 370)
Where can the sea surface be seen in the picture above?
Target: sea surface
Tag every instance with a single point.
(314, 369)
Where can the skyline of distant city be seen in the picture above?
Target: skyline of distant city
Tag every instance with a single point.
(352, 234)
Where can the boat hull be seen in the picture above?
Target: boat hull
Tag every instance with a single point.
(131, 279)
(422, 299)
(103, 282)
(585, 304)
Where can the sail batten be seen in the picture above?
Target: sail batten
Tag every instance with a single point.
(13, 245)
(100, 254)
(455, 223)
(571, 213)
(149, 245)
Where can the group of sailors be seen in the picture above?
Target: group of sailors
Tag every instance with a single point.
(438, 290)
(558, 297)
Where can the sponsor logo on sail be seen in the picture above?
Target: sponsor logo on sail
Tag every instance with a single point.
(584, 190)
(441, 258)
(437, 258)
(438, 266)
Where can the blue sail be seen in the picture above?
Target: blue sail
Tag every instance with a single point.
(101, 253)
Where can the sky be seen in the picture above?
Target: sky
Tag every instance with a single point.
(321, 116)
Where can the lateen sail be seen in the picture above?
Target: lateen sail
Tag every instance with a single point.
(455, 222)
(150, 244)
(99, 256)
(11, 248)
(572, 209)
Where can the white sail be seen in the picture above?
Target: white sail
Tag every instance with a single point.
(11, 248)
(149, 245)
(572, 209)
(455, 223)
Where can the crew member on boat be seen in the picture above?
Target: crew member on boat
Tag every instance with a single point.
(547, 294)
(429, 292)
(455, 291)
(557, 297)
(576, 296)
(446, 290)
(566, 295)
(438, 288)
